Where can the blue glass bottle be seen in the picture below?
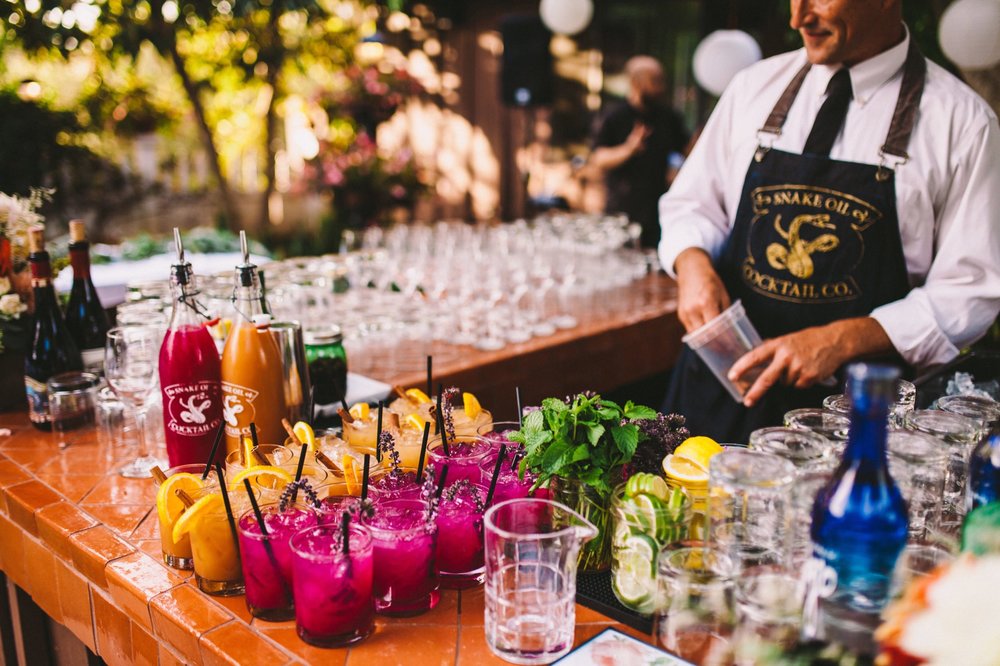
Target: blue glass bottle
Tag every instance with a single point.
(984, 473)
(859, 520)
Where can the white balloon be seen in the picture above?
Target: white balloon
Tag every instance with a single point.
(970, 33)
(720, 56)
(566, 17)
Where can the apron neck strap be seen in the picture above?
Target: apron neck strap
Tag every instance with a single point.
(903, 117)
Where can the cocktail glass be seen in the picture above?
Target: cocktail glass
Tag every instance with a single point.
(406, 580)
(460, 535)
(332, 585)
(267, 560)
(214, 547)
(497, 433)
(177, 554)
(276, 455)
(832, 425)
(510, 485)
(398, 486)
(463, 458)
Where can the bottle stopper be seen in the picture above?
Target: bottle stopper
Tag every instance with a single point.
(36, 239)
(77, 231)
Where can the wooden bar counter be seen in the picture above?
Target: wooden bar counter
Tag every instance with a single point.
(80, 545)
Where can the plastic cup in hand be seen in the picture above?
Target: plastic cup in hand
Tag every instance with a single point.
(460, 535)
(532, 547)
(333, 588)
(406, 581)
(721, 342)
(268, 575)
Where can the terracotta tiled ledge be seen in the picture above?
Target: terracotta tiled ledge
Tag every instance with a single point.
(84, 543)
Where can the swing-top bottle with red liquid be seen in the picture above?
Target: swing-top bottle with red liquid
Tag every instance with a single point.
(190, 373)
(252, 378)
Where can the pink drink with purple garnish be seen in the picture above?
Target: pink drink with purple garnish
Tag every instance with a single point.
(497, 434)
(332, 588)
(395, 486)
(406, 581)
(460, 535)
(268, 575)
(463, 457)
(509, 484)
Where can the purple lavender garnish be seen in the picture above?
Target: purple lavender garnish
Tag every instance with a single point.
(446, 407)
(302, 485)
(428, 493)
(387, 447)
(464, 487)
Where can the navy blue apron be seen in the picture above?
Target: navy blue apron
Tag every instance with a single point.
(815, 240)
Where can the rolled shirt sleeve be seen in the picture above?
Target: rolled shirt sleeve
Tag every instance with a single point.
(960, 297)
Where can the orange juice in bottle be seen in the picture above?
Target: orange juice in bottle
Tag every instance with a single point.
(252, 379)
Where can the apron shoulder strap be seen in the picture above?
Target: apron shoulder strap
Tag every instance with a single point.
(776, 120)
(910, 92)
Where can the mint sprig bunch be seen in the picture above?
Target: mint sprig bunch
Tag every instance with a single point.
(584, 438)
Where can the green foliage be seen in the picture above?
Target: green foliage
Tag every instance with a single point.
(34, 141)
(199, 240)
(583, 438)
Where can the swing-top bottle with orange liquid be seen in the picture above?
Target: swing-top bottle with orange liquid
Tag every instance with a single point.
(252, 381)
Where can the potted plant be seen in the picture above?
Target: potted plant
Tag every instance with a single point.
(579, 448)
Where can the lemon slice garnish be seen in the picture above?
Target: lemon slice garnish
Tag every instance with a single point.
(263, 476)
(472, 406)
(306, 434)
(417, 396)
(193, 514)
(360, 411)
(168, 505)
(415, 421)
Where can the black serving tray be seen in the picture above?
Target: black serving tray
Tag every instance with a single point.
(593, 590)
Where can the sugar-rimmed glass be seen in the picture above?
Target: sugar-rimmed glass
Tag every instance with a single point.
(918, 464)
(750, 506)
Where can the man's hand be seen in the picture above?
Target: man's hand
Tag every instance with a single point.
(701, 296)
(806, 357)
(636, 140)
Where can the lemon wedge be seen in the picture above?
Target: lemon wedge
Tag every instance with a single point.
(417, 396)
(263, 476)
(699, 450)
(352, 477)
(472, 406)
(168, 505)
(248, 457)
(360, 411)
(684, 471)
(190, 517)
(415, 421)
(306, 434)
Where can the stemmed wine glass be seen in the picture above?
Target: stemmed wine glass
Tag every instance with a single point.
(130, 362)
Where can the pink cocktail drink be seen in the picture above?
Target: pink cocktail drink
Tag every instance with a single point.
(267, 562)
(395, 486)
(460, 557)
(463, 457)
(333, 588)
(190, 373)
(406, 581)
(497, 434)
(510, 485)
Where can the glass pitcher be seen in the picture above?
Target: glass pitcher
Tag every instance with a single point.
(531, 556)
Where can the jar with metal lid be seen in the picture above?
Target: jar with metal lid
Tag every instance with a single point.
(327, 363)
(72, 399)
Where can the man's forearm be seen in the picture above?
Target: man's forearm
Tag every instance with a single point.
(859, 338)
(607, 158)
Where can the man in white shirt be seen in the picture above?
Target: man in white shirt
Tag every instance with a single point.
(867, 224)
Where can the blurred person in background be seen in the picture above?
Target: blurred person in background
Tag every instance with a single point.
(634, 144)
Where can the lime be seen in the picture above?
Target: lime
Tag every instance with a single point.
(634, 578)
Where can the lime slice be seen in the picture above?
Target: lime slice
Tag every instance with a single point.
(657, 487)
(634, 579)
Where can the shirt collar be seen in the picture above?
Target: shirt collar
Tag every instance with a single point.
(869, 75)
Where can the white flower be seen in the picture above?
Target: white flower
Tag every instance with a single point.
(4, 285)
(11, 305)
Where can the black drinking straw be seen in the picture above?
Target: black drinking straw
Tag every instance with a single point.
(430, 365)
(267, 540)
(423, 451)
(343, 403)
(298, 470)
(378, 435)
(364, 479)
(215, 448)
(496, 474)
(229, 507)
(520, 418)
(441, 481)
(253, 434)
(440, 424)
(345, 529)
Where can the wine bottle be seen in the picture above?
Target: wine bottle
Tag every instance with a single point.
(859, 519)
(190, 373)
(85, 317)
(52, 348)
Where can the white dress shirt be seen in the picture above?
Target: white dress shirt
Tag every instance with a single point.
(947, 192)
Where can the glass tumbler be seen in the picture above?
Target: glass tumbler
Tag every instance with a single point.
(918, 464)
(829, 424)
(72, 400)
(806, 450)
(983, 410)
(959, 435)
(532, 546)
(804, 492)
(695, 618)
(906, 396)
(750, 506)
(768, 613)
